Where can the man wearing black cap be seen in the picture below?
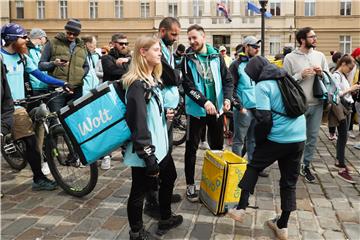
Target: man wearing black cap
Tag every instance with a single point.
(64, 57)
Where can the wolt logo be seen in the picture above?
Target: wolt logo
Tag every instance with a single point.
(89, 124)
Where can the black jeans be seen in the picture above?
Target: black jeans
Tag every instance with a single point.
(288, 156)
(60, 101)
(342, 139)
(33, 157)
(142, 183)
(215, 137)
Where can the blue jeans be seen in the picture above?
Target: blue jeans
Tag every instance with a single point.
(244, 125)
(313, 117)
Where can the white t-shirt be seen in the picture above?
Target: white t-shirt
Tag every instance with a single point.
(343, 84)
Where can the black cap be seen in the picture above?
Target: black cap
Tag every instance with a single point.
(73, 25)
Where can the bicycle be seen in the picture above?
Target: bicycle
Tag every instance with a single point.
(13, 152)
(73, 177)
(179, 123)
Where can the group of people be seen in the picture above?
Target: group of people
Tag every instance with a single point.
(213, 85)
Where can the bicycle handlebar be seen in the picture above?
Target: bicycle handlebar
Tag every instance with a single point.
(33, 99)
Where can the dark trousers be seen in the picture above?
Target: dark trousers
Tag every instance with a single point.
(142, 183)
(33, 157)
(215, 137)
(342, 139)
(288, 156)
(60, 101)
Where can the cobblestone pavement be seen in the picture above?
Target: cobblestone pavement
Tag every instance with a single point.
(328, 209)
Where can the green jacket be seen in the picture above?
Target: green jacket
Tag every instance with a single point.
(74, 73)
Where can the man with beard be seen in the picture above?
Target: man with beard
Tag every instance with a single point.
(208, 86)
(117, 62)
(303, 64)
(169, 29)
(16, 63)
(64, 57)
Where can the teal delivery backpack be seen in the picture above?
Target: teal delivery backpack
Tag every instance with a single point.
(95, 123)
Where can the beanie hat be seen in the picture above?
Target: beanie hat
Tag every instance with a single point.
(355, 53)
(11, 31)
(73, 25)
(36, 33)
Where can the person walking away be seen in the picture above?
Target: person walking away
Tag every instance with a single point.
(303, 64)
(278, 138)
(148, 152)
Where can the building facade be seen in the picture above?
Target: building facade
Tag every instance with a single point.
(337, 26)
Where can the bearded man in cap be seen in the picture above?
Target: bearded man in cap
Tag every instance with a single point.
(64, 57)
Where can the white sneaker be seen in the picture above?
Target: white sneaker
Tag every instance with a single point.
(281, 233)
(236, 214)
(106, 163)
(204, 145)
(351, 134)
(45, 168)
(357, 145)
(191, 193)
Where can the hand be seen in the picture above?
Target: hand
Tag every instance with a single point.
(227, 105)
(210, 108)
(243, 110)
(120, 61)
(170, 113)
(318, 70)
(152, 167)
(354, 87)
(59, 63)
(308, 72)
(68, 88)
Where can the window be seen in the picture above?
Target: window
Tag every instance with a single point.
(173, 8)
(274, 45)
(249, 13)
(119, 8)
(275, 7)
(345, 8)
(224, 40)
(144, 9)
(197, 10)
(93, 9)
(309, 8)
(345, 44)
(40, 9)
(19, 8)
(63, 9)
(220, 14)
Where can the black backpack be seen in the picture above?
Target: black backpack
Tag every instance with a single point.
(293, 97)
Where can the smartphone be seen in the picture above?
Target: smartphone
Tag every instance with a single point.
(63, 60)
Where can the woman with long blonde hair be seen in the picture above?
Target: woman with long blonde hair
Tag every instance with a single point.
(148, 152)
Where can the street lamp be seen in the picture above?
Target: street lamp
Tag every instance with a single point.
(263, 4)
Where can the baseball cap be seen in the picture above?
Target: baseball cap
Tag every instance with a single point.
(12, 31)
(355, 53)
(222, 48)
(37, 33)
(251, 40)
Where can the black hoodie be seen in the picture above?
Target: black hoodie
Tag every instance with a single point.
(111, 70)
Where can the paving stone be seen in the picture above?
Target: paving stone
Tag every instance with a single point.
(92, 203)
(19, 189)
(69, 205)
(103, 234)
(329, 223)
(19, 226)
(104, 193)
(61, 230)
(304, 204)
(333, 235)
(219, 236)
(348, 216)
(262, 216)
(264, 234)
(49, 220)
(30, 203)
(121, 212)
(189, 206)
(352, 230)
(40, 211)
(340, 204)
(325, 212)
(321, 202)
(78, 215)
(78, 236)
(32, 233)
(308, 225)
(201, 230)
(11, 214)
(306, 235)
(224, 225)
(114, 223)
(102, 213)
(7, 205)
(305, 215)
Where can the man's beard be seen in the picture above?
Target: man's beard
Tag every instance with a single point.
(309, 45)
(20, 48)
(167, 41)
(198, 49)
(124, 51)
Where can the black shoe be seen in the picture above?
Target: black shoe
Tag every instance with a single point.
(175, 198)
(263, 174)
(141, 235)
(305, 171)
(165, 225)
(152, 210)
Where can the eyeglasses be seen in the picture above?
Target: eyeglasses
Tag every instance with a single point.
(254, 46)
(123, 43)
(312, 36)
(73, 34)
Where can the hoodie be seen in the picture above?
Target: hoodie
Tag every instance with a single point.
(296, 61)
(111, 70)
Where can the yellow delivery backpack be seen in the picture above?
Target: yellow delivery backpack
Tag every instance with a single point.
(221, 173)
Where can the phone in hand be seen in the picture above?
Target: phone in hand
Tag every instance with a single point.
(63, 60)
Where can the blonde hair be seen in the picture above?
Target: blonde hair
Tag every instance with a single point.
(139, 67)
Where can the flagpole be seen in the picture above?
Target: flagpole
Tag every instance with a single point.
(263, 10)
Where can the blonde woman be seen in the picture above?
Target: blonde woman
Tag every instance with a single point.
(148, 151)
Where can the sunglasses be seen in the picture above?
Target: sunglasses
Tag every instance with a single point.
(73, 34)
(254, 46)
(123, 43)
(23, 37)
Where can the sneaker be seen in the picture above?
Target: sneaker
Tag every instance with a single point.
(357, 146)
(236, 214)
(305, 171)
(351, 134)
(191, 193)
(45, 168)
(344, 175)
(281, 233)
(165, 225)
(263, 174)
(140, 235)
(44, 184)
(106, 163)
(152, 210)
(332, 137)
(204, 145)
(175, 198)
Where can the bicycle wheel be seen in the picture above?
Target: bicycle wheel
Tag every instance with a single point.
(73, 177)
(179, 127)
(13, 152)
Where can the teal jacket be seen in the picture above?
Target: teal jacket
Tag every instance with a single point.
(35, 55)
(150, 139)
(194, 84)
(91, 80)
